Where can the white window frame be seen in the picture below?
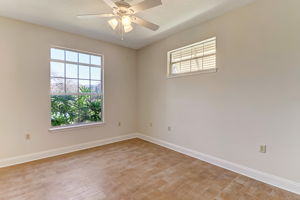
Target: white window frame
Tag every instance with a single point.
(169, 68)
(78, 125)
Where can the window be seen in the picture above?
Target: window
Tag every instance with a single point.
(193, 58)
(76, 87)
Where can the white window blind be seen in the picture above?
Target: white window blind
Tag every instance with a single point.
(197, 57)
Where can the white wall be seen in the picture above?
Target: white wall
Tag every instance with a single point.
(253, 99)
(24, 86)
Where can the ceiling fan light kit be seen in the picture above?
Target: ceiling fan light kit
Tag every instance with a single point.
(124, 15)
(127, 29)
(113, 23)
(123, 22)
(126, 20)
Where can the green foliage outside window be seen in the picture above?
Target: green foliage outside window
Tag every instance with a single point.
(73, 109)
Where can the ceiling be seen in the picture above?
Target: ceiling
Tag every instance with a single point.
(172, 16)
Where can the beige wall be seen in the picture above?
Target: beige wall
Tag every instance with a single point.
(253, 99)
(24, 86)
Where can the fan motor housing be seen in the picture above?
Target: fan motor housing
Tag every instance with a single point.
(123, 8)
(123, 4)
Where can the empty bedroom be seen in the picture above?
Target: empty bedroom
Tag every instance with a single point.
(150, 100)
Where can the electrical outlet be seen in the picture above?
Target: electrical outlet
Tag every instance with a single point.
(119, 124)
(169, 128)
(263, 148)
(27, 136)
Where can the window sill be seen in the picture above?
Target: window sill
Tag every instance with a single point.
(193, 73)
(78, 126)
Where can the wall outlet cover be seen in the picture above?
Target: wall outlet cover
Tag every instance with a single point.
(263, 148)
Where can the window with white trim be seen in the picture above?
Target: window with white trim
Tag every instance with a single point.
(193, 58)
(76, 87)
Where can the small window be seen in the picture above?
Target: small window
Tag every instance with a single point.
(198, 57)
(76, 87)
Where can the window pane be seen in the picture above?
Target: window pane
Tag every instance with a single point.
(84, 86)
(96, 60)
(84, 58)
(64, 110)
(185, 66)
(198, 50)
(176, 68)
(89, 108)
(176, 56)
(84, 72)
(95, 107)
(71, 56)
(186, 53)
(57, 54)
(72, 85)
(196, 64)
(71, 71)
(84, 108)
(96, 87)
(57, 69)
(95, 73)
(209, 62)
(57, 85)
(210, 47)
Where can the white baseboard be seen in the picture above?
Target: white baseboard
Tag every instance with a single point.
(252, 173)
(255, 174)
(64, 150)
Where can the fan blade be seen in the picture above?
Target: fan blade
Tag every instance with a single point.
(146, 4)
(110, 3)
(145, 23)
(94, 16)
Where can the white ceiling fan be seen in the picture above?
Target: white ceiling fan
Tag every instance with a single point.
(124, 14)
